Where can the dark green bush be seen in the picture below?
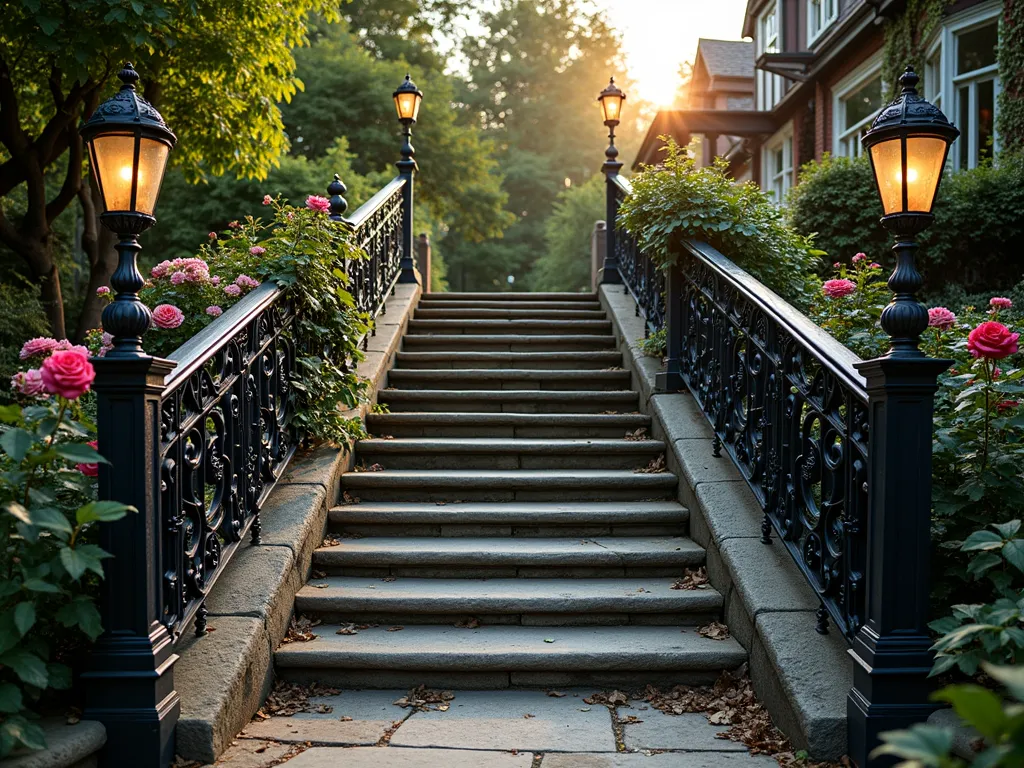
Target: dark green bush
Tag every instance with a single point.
(21, 318)
(976, 242)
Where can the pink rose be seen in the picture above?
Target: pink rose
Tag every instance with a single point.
(232, 290)
(89, 470)
(992, 341)
(212, 235)
(836, 289)
(64, 345)
(215, 280)
(1000, 302)
(103, 291)
(836, 265)
(214, 311)
(875, 265)
(178, 278)
(67, 373)
(257, 250)
(941, 318)
(167, 316)
(41, 345)
(858, 257)
(290, 215)
(267, 200)
(234, 225)
(317, 203)
(244, 281)
(28, 382)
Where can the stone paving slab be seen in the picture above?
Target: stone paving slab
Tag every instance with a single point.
(482, 720)
(663, 760)
(683, 732)
(391, 757)
(371, 713)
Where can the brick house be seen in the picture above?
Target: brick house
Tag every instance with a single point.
(817, 84)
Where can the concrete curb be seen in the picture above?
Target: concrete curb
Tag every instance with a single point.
(802, 677)
(224, 676)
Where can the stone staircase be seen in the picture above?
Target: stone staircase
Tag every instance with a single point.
(499, 534)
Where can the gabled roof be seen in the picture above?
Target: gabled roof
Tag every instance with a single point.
(726, 58)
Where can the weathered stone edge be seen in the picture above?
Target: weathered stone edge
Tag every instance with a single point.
(294, 520)
(68, 746)
(801, 677)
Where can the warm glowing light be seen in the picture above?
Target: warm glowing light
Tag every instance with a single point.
(126, 172)
(911, 176)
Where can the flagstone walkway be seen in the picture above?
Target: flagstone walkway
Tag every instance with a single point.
(485, 729)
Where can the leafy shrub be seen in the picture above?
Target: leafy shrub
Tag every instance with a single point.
(974, 242)
(21, 317)
(1000, 724)
(655, 345)
(851, 313)
(565, 263)
(49, 564)
(677, 200)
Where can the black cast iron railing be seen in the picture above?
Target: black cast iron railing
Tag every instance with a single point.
(640, 276)
(199, 442)
(789, 408)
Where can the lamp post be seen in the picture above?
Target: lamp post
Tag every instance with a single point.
(407, 104)
(611, 100)
(907, 144)
(130, 678)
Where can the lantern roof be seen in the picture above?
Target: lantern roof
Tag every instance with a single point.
(127, 110)
(908, 114)
(611, 90)
(408, 86)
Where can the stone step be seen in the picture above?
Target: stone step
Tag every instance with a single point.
(429, 303)
(490, 327)
(563, 425)
(527, 601)
(514, 655)
(508, 342)
(511, 313)
(509, 378)
(511, 514)
(507, 453)
(509, 485)
(477, 297)
(508, 401)
(435, 557)
(549, 361)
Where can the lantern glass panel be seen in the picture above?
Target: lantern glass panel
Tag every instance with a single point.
(887, 159)
(925, 159)
(407, 104)
(113, 159)
(152, 161)
(612, 106)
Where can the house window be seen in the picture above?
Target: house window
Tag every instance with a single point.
(777, 159)
(975, 86)
(856, 101)
(820, 15)
(769, 87)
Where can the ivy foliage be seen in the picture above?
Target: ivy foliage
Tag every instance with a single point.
(1010, 117)
(677, 200)
(906, 37)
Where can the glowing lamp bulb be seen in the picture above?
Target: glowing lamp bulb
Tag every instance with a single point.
(126, 173)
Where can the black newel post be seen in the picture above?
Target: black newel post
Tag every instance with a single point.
(671, 379)
(129, 682)
(407, 104)
(907, 144)
(611, 100)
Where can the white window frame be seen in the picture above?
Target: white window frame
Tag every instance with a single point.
(820, 17)
(859, 77)
(946, 97)
(770, 87)
(778, 181)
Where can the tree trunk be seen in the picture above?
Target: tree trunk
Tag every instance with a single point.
(44, 271)
(98, 243)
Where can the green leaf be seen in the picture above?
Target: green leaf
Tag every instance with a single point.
(40, 585)
(10, 698)
(982, 540)
(17, 511)
(80, 559)
(1007, 529)
(976, 706)
(103, 511)
(983, 562)
(60, 676)
(16, 443)
(1013, 553)
(1012, 678)
(80, 453)
(21, 731)
(10, 414)
(81, 612)
(927, 743)
(27, 666)
(24, 616)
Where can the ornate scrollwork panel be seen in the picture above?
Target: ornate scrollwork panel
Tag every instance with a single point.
(644, 280)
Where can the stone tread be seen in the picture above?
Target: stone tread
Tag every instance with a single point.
(514, 359)
(541, 479)
(495, 313)
(510, 339)
(630, 421)
(516, 445)
(412, 376)
(519, 648)
(503, 596)
(511, 512)
(379, 551)
(545, 327)
(573, 306)
(479, 296)
(513, 395)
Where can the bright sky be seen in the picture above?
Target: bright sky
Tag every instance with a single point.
(658, 35)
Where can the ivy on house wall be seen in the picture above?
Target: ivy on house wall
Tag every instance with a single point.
(907, 37)
(1010, 117)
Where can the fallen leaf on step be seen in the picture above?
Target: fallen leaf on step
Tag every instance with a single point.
(390, 578)
(613, 699)
(330, 541)
(288, 699)
(394, 629)
(693, 578)
(424, 699)
(716, 630)
(348, 629)
(345, 719)
(324, 709)
(629, 720)
(470, 623)
(375, 468)
(654, 467)
(549, 639)
(319, 574)
(637, 435)
(319, 586)
(348, 498)
(300, 630)
(527, 716)
(556, 694)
